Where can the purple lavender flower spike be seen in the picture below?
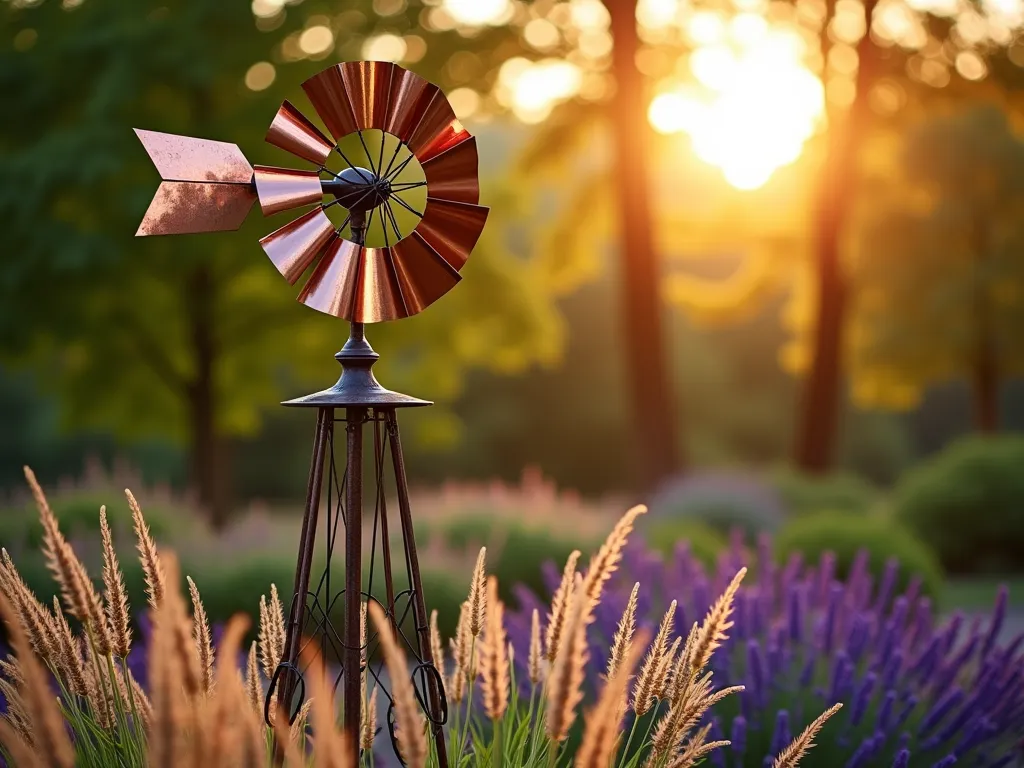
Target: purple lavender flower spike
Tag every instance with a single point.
(862, 698)
(841, 669)
(857, 640)
(998, 618)
(902, 759)
(738, 736)
(755, 672)
(887, 585)
(939, 711)
(826, 576)
(795, 615)
(904, 714)
(781, 737)
(885, 711)
(945, 762)
(860, 757)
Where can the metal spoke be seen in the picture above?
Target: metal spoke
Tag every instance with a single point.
(394, 155)
(404, 204)
(355, 168)
(400, 168)
(405, 186)
(394, 221)
(366, 151)
(380, 160)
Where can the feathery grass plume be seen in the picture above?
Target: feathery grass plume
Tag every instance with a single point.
(152, 568)
(69, 660)
(494, 657)
(565, 683)
(697, 747)
(712, 631)
(647, 681)
(252, 680)
(412, 739)
(603, 722)
(606, 561)
(436, 647)
(201, 637)
(276, 613)
(534, 664)
(116, 595)
(11, 681)
(623, 633)
(49, 736)
(37, 622)
(79, 594)
(665, 679)
(218, 725)
(142, 703)
(368, 726)
(560, 605)
(461, 651)
(478, 595)
(18, 747)
(298, 728)
(791, 755)
(683, 714)
(97, 686)
(684, 674)
(167, 746)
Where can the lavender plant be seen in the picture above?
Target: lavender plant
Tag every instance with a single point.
(920, 692)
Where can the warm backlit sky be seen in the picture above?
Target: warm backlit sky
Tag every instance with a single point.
(750, 93)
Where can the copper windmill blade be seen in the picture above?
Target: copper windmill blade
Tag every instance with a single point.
(423, 274)
(293, 132)
(206, 187)
(408, 98)
(368, 84)
(294, 246)
(452, 175)
(329, 97)
(281, 189)
(437, 131)
(189, 207)
(452, 228)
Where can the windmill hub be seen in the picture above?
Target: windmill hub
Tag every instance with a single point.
(358, 189)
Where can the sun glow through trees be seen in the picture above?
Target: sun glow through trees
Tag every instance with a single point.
(750, 109)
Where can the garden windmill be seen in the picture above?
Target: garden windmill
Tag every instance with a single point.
(209, 186)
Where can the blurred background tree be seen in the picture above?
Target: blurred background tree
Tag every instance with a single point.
(187, 338)
(938, 267)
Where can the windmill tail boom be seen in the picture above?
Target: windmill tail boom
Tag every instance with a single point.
(207, 186)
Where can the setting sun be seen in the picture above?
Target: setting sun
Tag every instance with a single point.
(749, 112)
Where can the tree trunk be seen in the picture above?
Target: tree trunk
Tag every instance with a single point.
(652, 412)
(819, 408)
(209, 450)
(984, 367)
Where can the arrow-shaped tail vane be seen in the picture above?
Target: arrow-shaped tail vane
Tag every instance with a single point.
(207, 185)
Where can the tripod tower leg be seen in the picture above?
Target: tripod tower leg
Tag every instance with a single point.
(352, 661)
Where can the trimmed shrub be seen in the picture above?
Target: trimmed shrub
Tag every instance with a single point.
(847, 536)
(663, 535)
(516, 554)
(967, 503)
(720, 500)
(839, 492)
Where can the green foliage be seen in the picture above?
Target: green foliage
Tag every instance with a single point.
(967, 503)
(937, 264)
(78, 515)
(516, 554)
(665, 534)
(839, 492)
(847, 535)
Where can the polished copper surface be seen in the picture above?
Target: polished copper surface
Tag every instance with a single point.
(293, 247)
(330, 99)
(332, 286)
(437, 131)
(452, 228)
(452, 175)
(410, 95)
(281, 189)
(184, 207)
(184, 158)
(293, 132)
(423, 275)
(378, 295)
(368, 84)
